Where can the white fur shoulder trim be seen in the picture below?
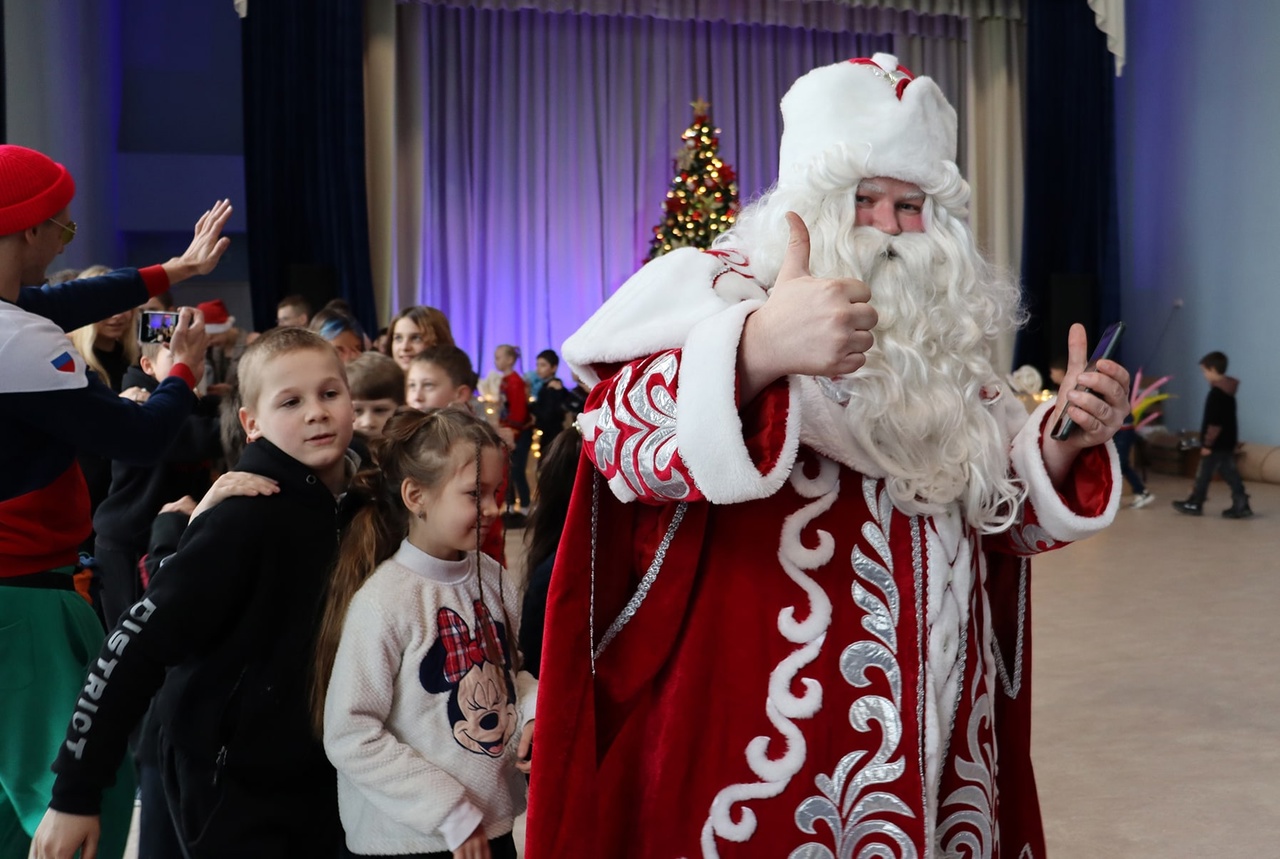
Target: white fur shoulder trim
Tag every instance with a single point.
(36, 355)
(1059, 522)
(657, 308)
(708, 426)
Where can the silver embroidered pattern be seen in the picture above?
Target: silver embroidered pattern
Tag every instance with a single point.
(607, 429)
(1031, 539)
(1013, 685)
(642, 590)
(653, 448)
(968, 833)
(848, 802)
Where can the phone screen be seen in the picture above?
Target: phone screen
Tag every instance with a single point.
(156, 326)
(1107, 343)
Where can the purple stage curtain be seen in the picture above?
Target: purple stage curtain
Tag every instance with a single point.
(918, 17)
(534, 151)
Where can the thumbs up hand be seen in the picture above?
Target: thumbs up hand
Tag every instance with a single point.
(809, 325)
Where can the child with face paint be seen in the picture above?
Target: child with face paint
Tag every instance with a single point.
(419, 697)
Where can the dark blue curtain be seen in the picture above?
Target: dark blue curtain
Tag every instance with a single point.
(1070, 250)
(304, 155)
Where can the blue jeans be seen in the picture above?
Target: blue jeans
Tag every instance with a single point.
(1124, 444)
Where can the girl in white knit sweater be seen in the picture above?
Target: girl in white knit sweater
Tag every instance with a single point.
(422, 709)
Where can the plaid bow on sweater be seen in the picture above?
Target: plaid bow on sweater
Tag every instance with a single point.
(462, 651)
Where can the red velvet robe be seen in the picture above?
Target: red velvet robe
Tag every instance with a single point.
(808, 672)
(769, 693)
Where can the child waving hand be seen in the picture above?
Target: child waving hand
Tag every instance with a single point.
(418, 694)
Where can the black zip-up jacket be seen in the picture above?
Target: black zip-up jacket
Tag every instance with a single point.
(123, 519)
(233, 615)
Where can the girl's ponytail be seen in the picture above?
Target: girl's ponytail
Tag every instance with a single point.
(373, 535)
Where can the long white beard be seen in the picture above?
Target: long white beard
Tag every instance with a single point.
(916, 406)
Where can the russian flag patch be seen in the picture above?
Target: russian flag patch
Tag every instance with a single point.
(64, 363)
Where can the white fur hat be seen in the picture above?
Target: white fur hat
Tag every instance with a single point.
(871, 118)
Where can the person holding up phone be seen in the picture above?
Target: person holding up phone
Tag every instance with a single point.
(798, 550)
(53, 409)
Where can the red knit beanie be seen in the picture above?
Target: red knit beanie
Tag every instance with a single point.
(33, 188)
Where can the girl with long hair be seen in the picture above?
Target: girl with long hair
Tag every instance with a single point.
(415, 329)
(418, 693)
(109, 346)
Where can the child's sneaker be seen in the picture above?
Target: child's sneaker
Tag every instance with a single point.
(1191, 508)
(1142, 500)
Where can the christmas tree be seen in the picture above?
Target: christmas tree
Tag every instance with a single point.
(703, 199)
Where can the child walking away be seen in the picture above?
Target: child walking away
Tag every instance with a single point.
(417, 690)
(1124, 449)
(1219, 435)
(232, 616)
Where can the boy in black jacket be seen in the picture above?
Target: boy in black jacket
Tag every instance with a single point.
(1218, 438)
(232, 616)
(123, 519)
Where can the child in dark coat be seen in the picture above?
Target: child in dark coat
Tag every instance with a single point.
(232, 618)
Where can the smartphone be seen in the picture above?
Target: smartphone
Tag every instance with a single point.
(156, 326)
(1105, 349)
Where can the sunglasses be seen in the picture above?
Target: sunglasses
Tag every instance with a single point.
(68, 230)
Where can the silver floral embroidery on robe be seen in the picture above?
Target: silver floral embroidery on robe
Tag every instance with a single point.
(607, 429)
(848, 802)
(968, 832)
(651, 447)
(1031, 539)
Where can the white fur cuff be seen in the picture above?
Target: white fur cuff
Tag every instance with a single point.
(708, 427)
(1059, 521)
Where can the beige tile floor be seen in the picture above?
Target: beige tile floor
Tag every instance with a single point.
(1157, 708)
(1157, 715)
